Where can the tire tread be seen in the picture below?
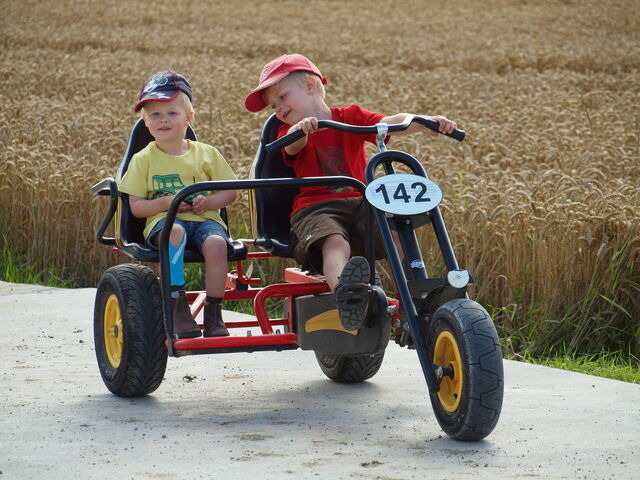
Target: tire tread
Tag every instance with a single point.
(144, 356)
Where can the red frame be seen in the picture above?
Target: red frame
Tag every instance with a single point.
(240, 287)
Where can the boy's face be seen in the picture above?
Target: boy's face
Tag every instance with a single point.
(291, 101)
(167, 121)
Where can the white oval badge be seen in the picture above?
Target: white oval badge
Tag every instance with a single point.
(403, 194)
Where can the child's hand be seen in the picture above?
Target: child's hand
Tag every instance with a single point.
(200, 204)
(307, 125)
(446, 125)
(184, 206)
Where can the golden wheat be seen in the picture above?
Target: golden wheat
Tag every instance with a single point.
(540, 200)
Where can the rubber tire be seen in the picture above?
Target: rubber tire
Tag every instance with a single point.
(350, 369)
(478, 410)
(143, 354)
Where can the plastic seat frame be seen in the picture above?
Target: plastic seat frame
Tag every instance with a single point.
(271, 207)
(129, 230)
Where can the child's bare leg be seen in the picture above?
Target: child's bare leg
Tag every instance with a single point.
(214, 251)
(184, 326)
(336, 252)
(175, 237)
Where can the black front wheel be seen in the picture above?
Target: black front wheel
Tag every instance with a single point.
(129, 332)
(350, 369)
(467, 359)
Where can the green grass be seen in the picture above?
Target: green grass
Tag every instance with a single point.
(616, 366)
(15, 268)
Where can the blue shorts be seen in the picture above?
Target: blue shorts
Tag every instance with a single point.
(197, 232)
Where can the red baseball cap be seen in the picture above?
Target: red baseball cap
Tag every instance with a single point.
(276, 70)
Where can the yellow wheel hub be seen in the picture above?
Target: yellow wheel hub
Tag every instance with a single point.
(113, 331)
(447, 355)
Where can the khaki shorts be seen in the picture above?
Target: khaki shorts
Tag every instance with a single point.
(343, 216)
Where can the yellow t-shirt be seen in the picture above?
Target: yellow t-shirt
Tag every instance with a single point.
(153, 173)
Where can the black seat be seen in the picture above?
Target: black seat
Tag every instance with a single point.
(129, 229)
(271, 207)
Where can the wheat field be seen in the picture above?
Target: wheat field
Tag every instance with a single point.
(542, 200)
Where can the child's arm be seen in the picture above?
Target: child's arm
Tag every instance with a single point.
(215, 201)
(307, 125)
(143, 208)
(446, 125)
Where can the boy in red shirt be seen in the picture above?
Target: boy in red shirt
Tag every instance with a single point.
(328, 222)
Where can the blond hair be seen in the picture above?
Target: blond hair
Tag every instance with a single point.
(188, 106)
(299, 77)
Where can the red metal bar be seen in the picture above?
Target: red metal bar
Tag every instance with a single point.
(254, 323)
(295, 275)
(259, 255)
(238, 288)
(281, 290)
(208, 343)
(197, 300)
(238, 277)
(394, 302)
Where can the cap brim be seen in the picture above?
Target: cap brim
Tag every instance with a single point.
(163, 96)
(254, 101)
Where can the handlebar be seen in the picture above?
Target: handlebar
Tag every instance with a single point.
(289, 138)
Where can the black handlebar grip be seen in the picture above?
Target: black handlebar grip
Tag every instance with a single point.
(284, 140)
(457, 135)
(435, 125)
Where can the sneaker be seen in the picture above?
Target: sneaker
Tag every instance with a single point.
(352, 293)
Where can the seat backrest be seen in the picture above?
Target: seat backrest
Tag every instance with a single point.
(271, 207)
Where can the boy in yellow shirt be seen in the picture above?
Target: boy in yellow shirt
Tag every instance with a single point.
(157, 173)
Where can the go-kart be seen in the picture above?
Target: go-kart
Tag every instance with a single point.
(454, 337)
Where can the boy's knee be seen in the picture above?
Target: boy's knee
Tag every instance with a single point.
(177, 234)
(214, 246)
(335, 242)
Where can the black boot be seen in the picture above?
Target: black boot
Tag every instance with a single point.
(184, 326)
(213, 324)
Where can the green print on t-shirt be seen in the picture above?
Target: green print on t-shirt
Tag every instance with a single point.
(166, 185)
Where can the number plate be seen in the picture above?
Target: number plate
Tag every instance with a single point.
(403, 194)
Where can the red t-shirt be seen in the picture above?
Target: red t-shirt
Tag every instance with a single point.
(330, 152)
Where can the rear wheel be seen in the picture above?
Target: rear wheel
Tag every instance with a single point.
(465, 352)
(350, 369)
(129, 332)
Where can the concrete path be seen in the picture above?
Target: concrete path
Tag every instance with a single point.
(274, 415)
